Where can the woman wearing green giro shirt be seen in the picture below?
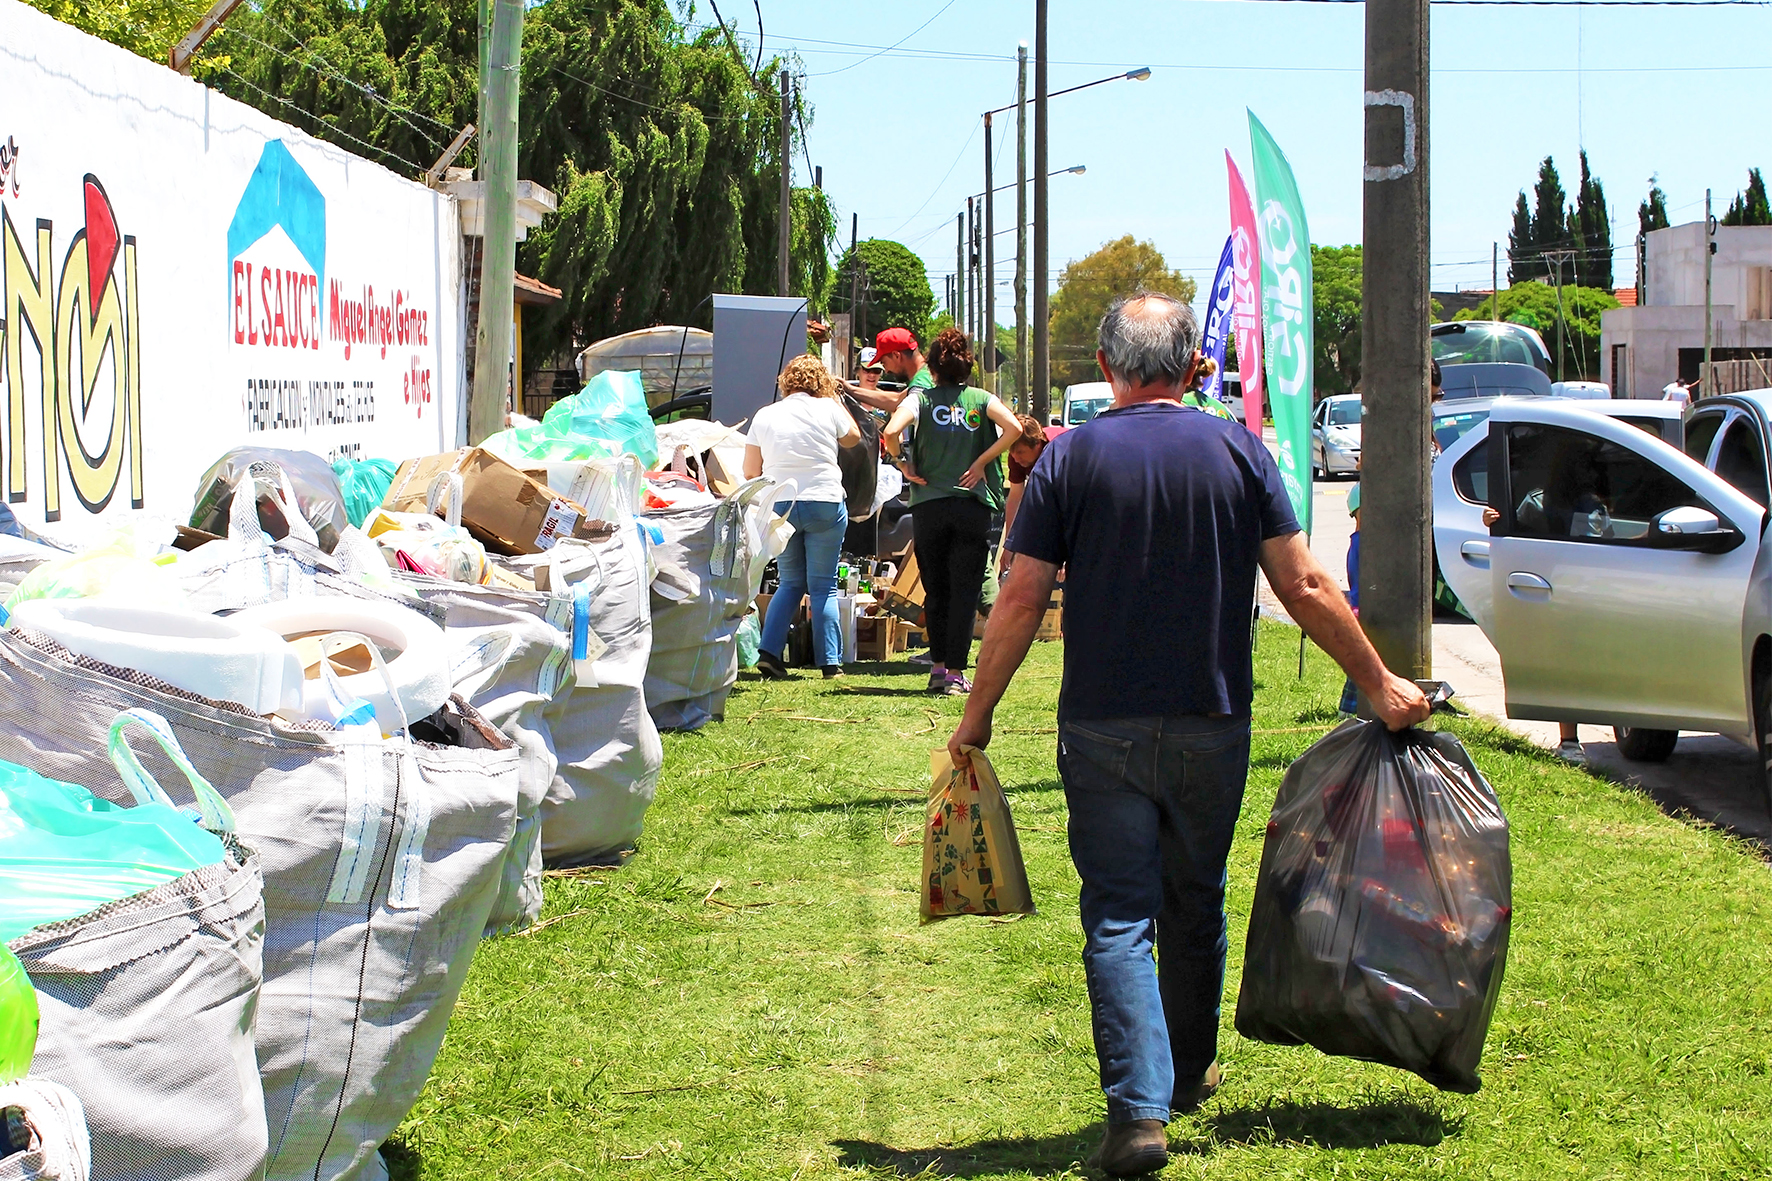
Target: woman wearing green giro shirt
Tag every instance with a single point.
(956, 484)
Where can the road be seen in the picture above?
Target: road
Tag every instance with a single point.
(1708, 776)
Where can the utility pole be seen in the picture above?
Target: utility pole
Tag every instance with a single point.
(959, 270)
(1021, 227)
(1556, 258)
(1042, 371)
(785, 230)
(1495, 297)
(854, 269)
(987, 359)
(498, 260)
(1396, 568)
(1710, 250)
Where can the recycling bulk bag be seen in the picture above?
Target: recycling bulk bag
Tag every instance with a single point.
(524, 665)
(43, 1133)
(1382, 909)
(710, 566)
(608, 747)
(971, 856)
(147, 1003)
(382, 859)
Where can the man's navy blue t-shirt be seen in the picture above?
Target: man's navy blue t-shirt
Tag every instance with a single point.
(1157, 512)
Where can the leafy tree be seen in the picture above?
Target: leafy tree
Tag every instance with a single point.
(664, 150)
(148, 27)
(1089, 286)
(1652, 213)
(1591, 228)
(1335, 286)
(1535, 306)
(898, 289)
(1750, 208)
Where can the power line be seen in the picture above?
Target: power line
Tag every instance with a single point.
(889, 48)
(329, 128)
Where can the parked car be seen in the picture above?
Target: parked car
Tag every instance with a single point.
(1492, 379)
(1230, 392)
(1627, 582)
(1083, 402)
(1464, 342)
(1335, 436)
(1581, 389)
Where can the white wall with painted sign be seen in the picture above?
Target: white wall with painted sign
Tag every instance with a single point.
(181, 274)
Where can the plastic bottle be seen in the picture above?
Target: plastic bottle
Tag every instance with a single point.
(18, 1019)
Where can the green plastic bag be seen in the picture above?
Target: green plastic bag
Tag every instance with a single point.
(537, 444)
(363, 482)
(64, 852)
(18, 1019)
(611, 407)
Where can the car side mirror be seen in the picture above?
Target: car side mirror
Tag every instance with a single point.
(1691, 528)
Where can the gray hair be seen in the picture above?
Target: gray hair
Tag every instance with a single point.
(1149, 338)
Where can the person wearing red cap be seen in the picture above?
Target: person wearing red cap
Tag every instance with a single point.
(896, 350)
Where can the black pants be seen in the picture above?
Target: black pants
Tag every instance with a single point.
(953, 543)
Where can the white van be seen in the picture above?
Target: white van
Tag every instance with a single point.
(1083, 402)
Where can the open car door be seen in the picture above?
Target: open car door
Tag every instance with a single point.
(1461, 540)
(1619, 572)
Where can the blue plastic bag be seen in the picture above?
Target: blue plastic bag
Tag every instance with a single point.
(363, 482)
(612, 407)
(64, 852)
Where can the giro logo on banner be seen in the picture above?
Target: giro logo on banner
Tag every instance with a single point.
(956, 417)
(72, 344)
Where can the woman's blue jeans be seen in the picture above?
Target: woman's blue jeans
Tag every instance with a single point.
(809, 567)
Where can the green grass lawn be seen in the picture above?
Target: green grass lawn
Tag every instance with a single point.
(752, 995)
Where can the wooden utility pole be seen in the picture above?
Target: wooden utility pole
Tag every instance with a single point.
(498, 260)
(987, 343)
(1396, 566)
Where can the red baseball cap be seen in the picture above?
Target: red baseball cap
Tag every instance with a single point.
(894, 340)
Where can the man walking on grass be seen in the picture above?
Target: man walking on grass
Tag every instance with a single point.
(1160, 515)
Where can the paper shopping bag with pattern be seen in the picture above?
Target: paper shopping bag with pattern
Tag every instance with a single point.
(971, 858)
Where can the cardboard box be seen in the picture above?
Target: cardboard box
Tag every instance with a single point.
(1051, 627)
(874, 636)
(505, 510)
(904, 598)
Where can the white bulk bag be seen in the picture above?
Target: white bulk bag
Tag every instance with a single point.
(381, 862)
(46, 1126)
(710, 566)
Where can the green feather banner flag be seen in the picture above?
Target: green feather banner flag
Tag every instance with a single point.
(1287, 314)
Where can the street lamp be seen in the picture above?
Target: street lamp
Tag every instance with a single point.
(1041, 377)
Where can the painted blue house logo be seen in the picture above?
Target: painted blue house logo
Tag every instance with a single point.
(278, 306)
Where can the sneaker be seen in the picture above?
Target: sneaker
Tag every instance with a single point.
(938, 681)
(832, 670)
(957, 685)
(771, 667)
(1571, 752)
(1189, 1101)
(1132, 1149)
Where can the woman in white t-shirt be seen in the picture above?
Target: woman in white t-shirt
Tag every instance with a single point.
(796, 440)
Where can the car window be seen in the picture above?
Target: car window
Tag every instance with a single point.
(1449, 428)
(1649, 426)
(1483, 341)
(1084, 409)
(1470, 476)
(1568, 485)
(1700, 431)
(1343, 413)
(1741, 459)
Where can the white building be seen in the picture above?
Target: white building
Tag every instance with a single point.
(1644, 348)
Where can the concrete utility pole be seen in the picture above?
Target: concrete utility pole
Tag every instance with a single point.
(1495, 298)
(969, 326)
(1022, 401)
(1042, 368)
(1710, 250)
(987, 357)
(786, 228)
(1396, 558)
(498, 259)
(854, 266)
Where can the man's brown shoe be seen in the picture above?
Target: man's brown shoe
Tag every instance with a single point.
(1189, 1101)
(1132, 1149)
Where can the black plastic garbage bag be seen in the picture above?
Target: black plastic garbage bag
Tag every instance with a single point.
(1380, 924)
(860, 464)
(317, 493)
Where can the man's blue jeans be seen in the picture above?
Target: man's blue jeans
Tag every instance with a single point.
(808, 566)
(1153, 805)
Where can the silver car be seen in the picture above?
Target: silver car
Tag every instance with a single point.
(1335, 436)
(1626, 583)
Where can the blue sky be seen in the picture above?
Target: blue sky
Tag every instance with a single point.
(1683, 94)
